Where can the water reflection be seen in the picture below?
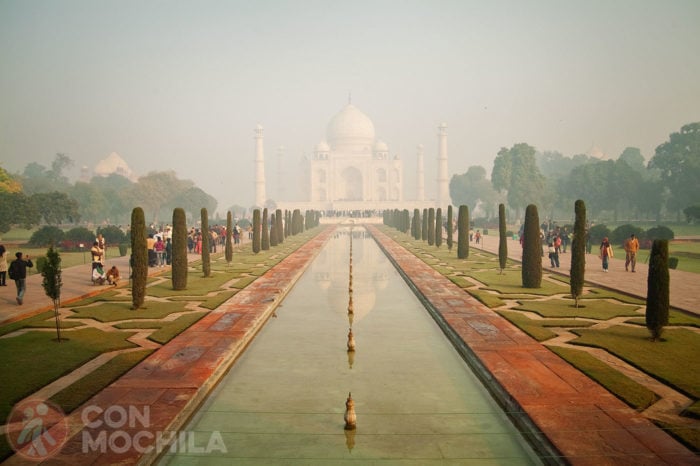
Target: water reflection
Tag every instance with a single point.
(364, 277)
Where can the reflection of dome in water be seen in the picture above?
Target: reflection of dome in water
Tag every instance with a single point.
(350, 128)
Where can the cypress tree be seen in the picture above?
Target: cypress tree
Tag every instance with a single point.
(279, 226)
(265, 239)
(463, 232)
(502, 239)
(256, 231)
(416, 223)
(438, 227)
(229, 235)
(424, 226)
(287, 223)
(273, 230)
(532, 249)
(206, 259)
(139, 256)
(52, 283)
(449, 227)
(179, 260)
(578, 252)
(431, 226)
(296, 222)
(658, 289)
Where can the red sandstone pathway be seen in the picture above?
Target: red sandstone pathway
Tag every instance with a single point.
(586, 423)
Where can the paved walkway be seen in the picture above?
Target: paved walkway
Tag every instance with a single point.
(684, 286)
(584, 422)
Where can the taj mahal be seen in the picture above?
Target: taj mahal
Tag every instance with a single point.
(353, 170)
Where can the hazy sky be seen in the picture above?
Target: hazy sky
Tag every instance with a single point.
(181, 85)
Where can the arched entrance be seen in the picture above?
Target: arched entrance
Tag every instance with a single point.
(351, 188)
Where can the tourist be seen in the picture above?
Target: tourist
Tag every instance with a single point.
(168, 251)
(159, 248)
(98, 274)
(606, 252)
(97, 253)
(18, 273)
(113, 276)
(631, 248)
(3, 265)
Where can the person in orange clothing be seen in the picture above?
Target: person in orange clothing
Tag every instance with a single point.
(631, 248)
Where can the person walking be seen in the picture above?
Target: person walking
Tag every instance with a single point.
(3, 265)
(631, 248)
(18, 273)
(606, 252)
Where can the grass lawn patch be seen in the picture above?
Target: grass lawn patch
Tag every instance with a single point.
(667, 360)
(597, 293)
(101, 298)
(461, 281)
(693, 410)
(513, 283)
(197, 285)
(112, 312)
(20, 324)
(488, 299)
(82, 390)
(170, 330)
(213, 302)
(674, 318)
(688, 436)
(527, 325)
(636, 395)
(243, 282)
(49, 359)
(51, 323)
(599, 309)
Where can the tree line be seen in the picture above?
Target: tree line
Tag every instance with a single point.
(626, 188)
(42, 195)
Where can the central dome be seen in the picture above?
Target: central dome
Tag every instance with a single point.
(351, 129)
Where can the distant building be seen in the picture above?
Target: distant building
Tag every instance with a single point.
(114, 165)
(353, 170)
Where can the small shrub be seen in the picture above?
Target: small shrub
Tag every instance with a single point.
(45, 236)
(660, 232)
(40, 263)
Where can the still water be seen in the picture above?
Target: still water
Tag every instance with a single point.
(416, 400)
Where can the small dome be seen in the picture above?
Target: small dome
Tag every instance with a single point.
(322, 147)
(381, 146)
(350, 128)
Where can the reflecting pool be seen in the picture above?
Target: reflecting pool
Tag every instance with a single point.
(416, 401)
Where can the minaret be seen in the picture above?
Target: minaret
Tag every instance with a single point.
(443, 198)
(420, 175)
(260, 197)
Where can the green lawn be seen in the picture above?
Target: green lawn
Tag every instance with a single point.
(669, 360)
(49, 359)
